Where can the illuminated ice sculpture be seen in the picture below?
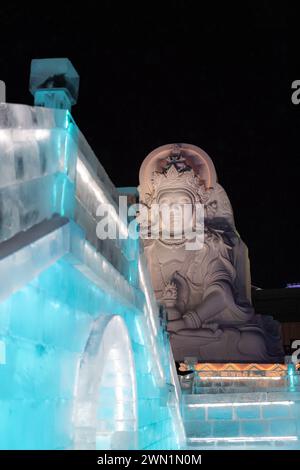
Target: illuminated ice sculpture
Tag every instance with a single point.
(87, 361)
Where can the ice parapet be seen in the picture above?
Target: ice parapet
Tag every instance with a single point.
(60, 282)
(43, 148)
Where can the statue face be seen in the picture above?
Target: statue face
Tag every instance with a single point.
(176, 213)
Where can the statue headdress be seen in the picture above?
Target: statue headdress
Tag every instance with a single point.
(176, 167)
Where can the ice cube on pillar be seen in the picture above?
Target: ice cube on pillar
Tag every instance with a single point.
(54, 83)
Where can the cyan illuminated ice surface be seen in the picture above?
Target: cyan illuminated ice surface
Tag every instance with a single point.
(48, 167)
(261, 420)
(68, 340)
(85, 360)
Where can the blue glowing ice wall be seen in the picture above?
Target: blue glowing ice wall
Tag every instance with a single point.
(85, 362)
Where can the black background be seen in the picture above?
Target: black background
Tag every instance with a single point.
(216, 76)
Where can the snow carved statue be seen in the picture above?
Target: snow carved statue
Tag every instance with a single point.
(205, 289)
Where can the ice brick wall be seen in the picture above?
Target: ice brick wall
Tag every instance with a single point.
(255, 420)
(87, 362)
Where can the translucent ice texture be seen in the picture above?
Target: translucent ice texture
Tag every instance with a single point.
(26, 263)
(87, 362)
(43, 148)
(53, 328)
(242, 420)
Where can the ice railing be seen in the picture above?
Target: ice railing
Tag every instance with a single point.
(47, 167)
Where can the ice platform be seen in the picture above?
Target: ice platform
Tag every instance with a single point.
(243, 406)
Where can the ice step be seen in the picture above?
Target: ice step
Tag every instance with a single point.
(241, 386)
(244, 378)
(246, 443)
(245, 429)
(260, 397)
(240, 419)
(247, 384)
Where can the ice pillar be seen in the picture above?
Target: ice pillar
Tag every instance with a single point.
(54, 83)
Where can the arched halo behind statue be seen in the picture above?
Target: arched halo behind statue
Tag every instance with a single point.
(207, 292)
(192, 156)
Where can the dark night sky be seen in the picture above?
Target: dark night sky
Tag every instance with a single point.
(216, 78)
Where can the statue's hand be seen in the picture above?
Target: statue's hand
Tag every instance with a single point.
(173, 313)
(192, 320)
(175, 325)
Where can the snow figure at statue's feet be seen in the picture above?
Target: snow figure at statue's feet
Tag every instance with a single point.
(207, 290)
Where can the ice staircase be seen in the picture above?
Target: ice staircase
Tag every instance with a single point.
(247, 412)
